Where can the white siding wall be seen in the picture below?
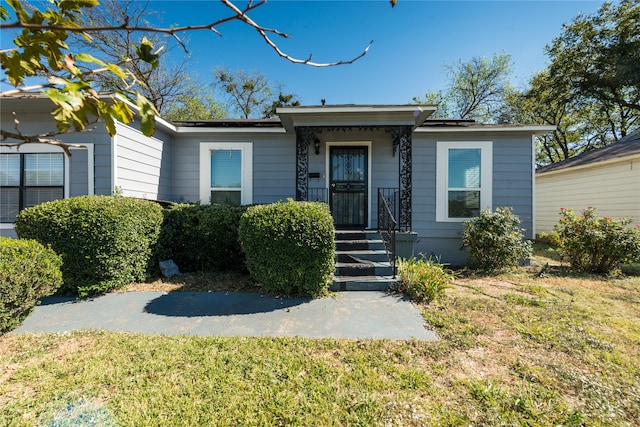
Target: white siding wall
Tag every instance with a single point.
(138, 161)
(612, 188)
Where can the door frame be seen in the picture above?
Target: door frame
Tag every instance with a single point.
(327, 174)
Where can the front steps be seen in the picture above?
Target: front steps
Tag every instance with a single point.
(362, 263)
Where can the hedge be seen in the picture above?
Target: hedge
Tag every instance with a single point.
(106, 241)
(201, 237)
(290, 246)
(28, 271)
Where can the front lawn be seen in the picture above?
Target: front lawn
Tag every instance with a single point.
(516, 349)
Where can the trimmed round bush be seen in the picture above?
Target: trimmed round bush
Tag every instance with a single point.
(289, 246)
(495, 241)
(28, 271)
(202, 237)
(105, 241)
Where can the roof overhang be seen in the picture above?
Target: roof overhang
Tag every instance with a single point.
(354, 115)
(531, 129)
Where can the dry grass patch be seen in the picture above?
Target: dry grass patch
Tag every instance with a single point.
(229, 281)
(516, 349)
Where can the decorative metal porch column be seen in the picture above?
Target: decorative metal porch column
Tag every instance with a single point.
(405, 143)
(401, 138)
(304, 136)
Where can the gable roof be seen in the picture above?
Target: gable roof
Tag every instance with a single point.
(627, 146)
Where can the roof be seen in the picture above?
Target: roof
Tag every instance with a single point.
(628, 146)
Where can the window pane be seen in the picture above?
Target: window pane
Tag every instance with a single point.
(9, 208)
(9, 170)
(464, 168)
(35, 196)
(226, 168)
(46, 169)
(226, 197)
(464, 204)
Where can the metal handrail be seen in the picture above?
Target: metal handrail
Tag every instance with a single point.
(387, 226)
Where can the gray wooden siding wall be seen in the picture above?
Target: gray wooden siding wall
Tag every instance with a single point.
(143, 164)
(512, 187)
(274, 164)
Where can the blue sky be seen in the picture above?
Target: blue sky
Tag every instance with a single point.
(411, 42)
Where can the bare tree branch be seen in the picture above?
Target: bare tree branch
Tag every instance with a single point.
(238, 15)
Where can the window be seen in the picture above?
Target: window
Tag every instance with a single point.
(226, 174)
(464, 171)
(29, 179)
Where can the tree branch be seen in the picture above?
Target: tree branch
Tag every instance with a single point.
(238, 15)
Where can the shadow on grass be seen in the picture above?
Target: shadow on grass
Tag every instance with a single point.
(194, 304)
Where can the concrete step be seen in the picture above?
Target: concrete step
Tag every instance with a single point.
(363, 269)
(362, 256)
(364, 283)
(356, 234)
(362, 263)
(359, 245)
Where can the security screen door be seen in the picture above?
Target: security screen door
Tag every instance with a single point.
(348, 186)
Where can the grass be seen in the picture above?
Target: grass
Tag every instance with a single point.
(515, 349)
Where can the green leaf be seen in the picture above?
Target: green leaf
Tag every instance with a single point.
(85, 57)
(147, 115)
(145, 53)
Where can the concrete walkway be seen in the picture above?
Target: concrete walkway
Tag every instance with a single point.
(343, 315)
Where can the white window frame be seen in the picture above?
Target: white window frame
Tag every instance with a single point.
(48, 148)
(246, 190)
(442, 176)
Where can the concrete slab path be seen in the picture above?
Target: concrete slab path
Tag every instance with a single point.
(363, 315)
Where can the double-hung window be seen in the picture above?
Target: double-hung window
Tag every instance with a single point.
(28, 179)
(226, 174)
(464, 179)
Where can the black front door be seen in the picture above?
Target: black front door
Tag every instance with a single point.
(348, 186)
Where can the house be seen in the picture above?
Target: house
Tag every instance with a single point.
(433, 173)
(607, 178)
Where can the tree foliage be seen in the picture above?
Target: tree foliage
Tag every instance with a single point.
(476, 90)
(197, 103)
(161, 84)
(598, 56)
(250, 94)
(591, 89)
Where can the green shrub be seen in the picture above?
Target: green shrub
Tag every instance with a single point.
(290, 246)
(596, 244)
(422, 279)
(105, 241)
(28, 271)
(202, 237)
(495, 241)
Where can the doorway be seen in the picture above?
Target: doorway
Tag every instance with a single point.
(349, 186)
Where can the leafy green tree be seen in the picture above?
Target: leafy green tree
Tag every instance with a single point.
(281, 101)
(597, 57)
(195, 105)
(250, 94)
(476, 90)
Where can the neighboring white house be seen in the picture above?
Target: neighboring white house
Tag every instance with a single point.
(607, 179)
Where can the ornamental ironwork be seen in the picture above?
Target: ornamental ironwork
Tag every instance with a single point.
(405, 145)
(304, 137)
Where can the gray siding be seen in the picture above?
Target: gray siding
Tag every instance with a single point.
(512, 187)
(78, 173)
(274, 164)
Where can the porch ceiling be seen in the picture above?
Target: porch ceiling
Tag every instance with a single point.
(355, 115)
